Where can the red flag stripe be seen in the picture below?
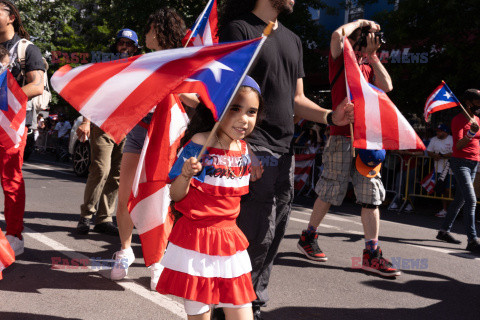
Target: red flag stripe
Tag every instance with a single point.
(154, 239)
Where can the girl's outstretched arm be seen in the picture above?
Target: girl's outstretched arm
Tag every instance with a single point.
(181, 185)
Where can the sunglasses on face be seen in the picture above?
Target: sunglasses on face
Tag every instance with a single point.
(127, 43)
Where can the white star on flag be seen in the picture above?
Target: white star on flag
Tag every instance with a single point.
(448, 95)
(216, 68)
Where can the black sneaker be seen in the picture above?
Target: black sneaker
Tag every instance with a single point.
(83, 226)
(446, 236)
(106, 228)
(217, 314)
(376, 263)
(257, 314)
(308, 245)
(474, 246)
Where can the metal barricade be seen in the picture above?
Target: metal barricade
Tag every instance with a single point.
(392, 177)
(419, 167)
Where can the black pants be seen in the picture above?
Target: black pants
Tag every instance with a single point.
(264, 215)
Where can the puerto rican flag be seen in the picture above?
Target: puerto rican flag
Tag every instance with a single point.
(7, 256)
(378, 123)
(117, 95)
(13, 106)
(149, 203)
(204, 31)
(441, 98)
(303, 168)
(428, 183)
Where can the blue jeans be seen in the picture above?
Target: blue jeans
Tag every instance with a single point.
(464, 172)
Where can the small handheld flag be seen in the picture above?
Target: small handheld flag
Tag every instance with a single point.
(205, 29)
(441, 98)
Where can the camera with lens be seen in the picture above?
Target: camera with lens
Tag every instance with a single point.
(362, 42)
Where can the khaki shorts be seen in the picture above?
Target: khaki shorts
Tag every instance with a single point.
(339, 169)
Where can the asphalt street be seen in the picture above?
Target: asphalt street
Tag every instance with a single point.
(438, 281)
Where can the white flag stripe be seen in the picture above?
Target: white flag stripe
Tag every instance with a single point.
(406, 135)
(373, 122)
(13, 102)
(436, 103)
(5, 124)
(207, 35)
(203, 265)
(152, 211)
(59, 82)
(178, 123)
(115, 90)
(432, 96)
(140, 173)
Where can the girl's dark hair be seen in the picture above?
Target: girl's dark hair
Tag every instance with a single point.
(17, 24)
(471, 94)
(232, 10)
(3, 52)
(203, 121)
(169, 28)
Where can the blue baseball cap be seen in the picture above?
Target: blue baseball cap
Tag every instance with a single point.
(128, 34)
(443, 128)
(249, 82)
(369, 162)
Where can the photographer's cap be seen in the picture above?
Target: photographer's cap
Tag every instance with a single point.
(443, 127)
(369, 162)
(128, 34)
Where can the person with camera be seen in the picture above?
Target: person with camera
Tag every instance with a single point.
(331, 188)
(31, 79)
(464, 164)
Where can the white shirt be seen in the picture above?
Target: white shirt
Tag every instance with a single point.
(63, 128)
(443, 147)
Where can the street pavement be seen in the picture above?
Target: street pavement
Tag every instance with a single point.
(438, 281)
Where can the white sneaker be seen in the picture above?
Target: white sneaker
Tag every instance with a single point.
(408, 208)
(16, 244)
(155, 272)
(123, 259)
(441, 214)
(393, 206)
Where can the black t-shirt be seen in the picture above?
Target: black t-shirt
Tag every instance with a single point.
(33, 58)
(278, 67)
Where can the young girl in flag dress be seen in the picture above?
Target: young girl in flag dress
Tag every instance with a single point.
(206, 262)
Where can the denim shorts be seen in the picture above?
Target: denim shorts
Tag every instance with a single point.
(136, 137)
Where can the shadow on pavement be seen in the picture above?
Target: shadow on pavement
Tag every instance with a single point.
(24, 316)
(454, 300)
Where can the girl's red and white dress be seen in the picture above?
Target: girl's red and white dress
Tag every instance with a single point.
(206, 259)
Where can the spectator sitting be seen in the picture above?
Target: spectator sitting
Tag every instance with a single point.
(440, 149)
(310, 139)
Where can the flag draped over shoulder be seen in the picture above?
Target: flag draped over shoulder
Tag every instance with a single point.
(378, 123)
(13, 106)
(117, 95)
(441, 98)
(150, 199)
(204, 31)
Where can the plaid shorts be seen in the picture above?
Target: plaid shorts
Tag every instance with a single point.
(339, 169)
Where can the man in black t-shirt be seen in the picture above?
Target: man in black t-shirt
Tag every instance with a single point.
(279, 72)
(11, 159)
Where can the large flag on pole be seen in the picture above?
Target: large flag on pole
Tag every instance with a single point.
(441, 98)
(117, 95)
(149, 202)
(13, 106)
(204, 31)
(378, 123)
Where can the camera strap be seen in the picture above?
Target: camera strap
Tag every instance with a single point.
(337, 76)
